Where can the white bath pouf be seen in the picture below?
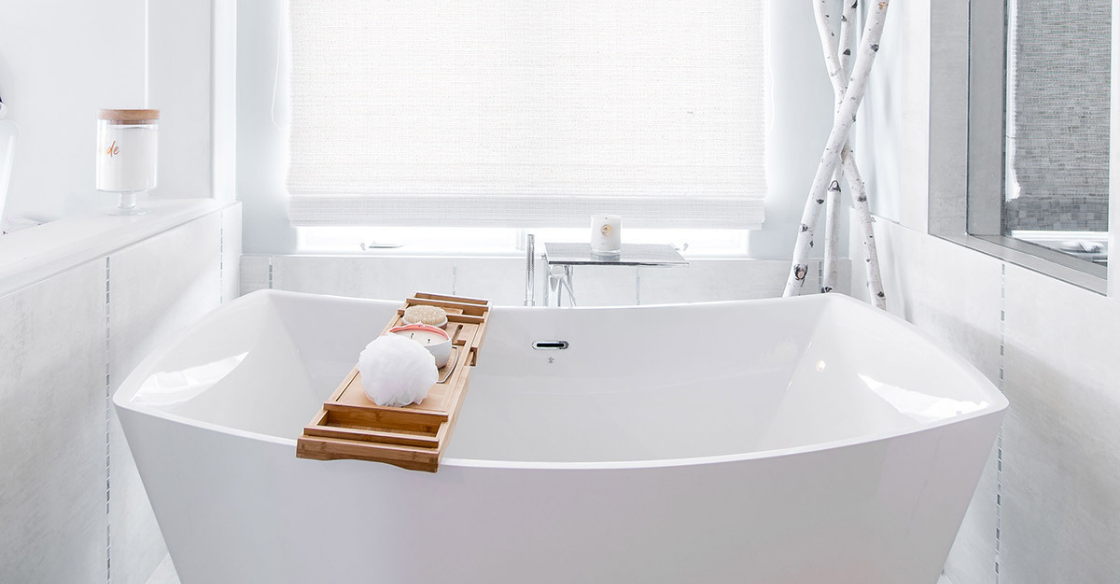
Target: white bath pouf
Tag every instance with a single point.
(396, 371)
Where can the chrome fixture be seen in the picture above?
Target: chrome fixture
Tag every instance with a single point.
(559, 279)
(562, 258)
(550, 345)
(380, 245)
(530, 271)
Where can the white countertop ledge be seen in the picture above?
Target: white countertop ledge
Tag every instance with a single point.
(35, 254)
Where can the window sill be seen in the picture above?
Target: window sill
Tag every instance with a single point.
(498, 242)
(1044, 261)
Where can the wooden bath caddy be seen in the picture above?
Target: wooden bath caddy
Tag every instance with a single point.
(414, 436)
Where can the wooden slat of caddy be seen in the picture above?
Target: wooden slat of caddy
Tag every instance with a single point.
(332, 449)
(362, 435)
(460, 299)
(468, 307)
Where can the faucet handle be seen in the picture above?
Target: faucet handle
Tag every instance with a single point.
(530, 270)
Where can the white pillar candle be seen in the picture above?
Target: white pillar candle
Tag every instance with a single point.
(435, 340)
(126, 150)
(606, 233)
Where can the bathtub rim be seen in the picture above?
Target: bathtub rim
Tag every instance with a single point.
(997, 402)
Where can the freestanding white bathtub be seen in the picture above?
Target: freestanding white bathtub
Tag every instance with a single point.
(810, 440)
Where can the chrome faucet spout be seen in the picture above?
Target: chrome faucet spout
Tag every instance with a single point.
(559, 280)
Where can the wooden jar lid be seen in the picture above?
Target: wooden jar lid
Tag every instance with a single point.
(129, 116)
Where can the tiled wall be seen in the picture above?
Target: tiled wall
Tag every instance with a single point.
(72, 507)
(52, 426)
(502, 280)
(1048, 506)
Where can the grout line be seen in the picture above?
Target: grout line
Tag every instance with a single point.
(999, 433)
(221, 258)
(147, 54)
(108, 430)
(270, 272)
(638, 286)
(454, 279)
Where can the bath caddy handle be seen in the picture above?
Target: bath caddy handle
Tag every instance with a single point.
(451, 365)
(415, 436)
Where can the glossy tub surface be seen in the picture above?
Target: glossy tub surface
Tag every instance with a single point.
(778, 441)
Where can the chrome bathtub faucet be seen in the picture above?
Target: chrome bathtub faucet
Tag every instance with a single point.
(562, 258)
(559, 280)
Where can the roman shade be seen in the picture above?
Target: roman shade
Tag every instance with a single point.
(1059, 111)
(527, 113)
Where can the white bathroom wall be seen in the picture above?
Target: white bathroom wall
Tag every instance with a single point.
(223, 100)
(72, 506)
(179, 85)
(1050, 347)
(502, 280)
(53, 425)
(1048, 506)
(61, 61)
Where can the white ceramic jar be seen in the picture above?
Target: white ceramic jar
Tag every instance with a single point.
(127, 148)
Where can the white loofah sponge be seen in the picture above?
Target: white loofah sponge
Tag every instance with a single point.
(396, 371)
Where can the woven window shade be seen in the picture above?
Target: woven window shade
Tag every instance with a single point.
(1059, 121)
(527, 113)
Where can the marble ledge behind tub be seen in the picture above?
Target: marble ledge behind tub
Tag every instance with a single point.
(35, 254)
(502, 279)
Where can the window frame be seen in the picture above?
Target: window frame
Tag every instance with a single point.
(966, 193)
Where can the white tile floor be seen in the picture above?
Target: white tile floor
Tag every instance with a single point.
(165, 574)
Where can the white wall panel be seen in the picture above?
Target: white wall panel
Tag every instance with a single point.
(52, 428)
(1061, 463)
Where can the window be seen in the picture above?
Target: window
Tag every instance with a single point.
(489, 241)
(1049, 198)
(491, 113)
